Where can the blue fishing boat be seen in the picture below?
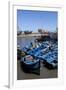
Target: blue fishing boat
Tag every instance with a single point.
(39, 49)
(29, 47)
(51, 61)
(45, 51)
(34, 52)
(30, 64)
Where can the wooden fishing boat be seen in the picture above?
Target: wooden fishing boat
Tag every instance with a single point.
(30, 64)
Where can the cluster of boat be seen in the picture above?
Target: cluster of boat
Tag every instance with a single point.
(31, 56)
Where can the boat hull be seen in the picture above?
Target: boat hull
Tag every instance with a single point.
(31, 67)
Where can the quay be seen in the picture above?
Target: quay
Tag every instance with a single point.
(32, 35)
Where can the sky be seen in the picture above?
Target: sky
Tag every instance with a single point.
(34, 20)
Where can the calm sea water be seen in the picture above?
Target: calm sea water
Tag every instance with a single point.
(23, 41)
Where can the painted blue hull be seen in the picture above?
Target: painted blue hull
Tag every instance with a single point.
(47, 55)
(30, 66)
